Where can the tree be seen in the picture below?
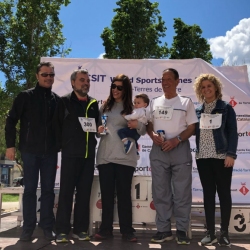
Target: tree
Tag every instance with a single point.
(135, 31)
(188, 42)
(29, 29)
(4, 107)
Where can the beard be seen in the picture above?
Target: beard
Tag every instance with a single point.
(81, 92)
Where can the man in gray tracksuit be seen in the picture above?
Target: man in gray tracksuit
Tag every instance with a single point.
(170, 158)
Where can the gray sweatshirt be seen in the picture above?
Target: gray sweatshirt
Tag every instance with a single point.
(111, 148)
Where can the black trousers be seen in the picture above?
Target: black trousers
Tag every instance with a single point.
(76, 173)
(215, 177)
(115, 177)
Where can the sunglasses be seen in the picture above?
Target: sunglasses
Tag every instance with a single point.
(46, 74)
(113, 86)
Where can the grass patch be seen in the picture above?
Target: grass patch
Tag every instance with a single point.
(10, 197)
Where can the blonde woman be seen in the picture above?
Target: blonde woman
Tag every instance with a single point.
(216, 142)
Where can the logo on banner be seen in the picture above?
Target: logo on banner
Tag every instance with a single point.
(243, 118)
(194, 170)
(247, 133)
(143, 169)
(232, 101)
(243, 151)
(244, 190)
(137, 206)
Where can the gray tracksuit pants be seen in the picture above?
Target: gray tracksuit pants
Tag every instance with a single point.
(171, 185)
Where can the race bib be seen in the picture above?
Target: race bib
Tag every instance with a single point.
(210, 121)
(88, 124)
(163, 113)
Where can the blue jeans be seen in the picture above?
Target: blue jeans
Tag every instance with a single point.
(32, 165)
(127, 132)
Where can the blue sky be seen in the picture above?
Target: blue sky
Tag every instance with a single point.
(226, 23)
(84, 22)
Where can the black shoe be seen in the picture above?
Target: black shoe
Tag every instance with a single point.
(162, 236)
(49, 234)
(181, 238)
(129, 237)
(103, 235)
(224, 239)
(26, 235)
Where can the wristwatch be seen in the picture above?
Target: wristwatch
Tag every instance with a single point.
(179, 138)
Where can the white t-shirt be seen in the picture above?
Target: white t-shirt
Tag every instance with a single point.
(138, 114)
(171, 115)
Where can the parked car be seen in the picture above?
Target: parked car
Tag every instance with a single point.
(17, 182)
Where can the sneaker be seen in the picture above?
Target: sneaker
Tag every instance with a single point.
(209, 239)
(81, 236)
(127, 146)
(64, 238)
(49, 235)
(181, 238)
(162, 236)
(26, 235)
(129, 237)
(103, 235)
(224, 239)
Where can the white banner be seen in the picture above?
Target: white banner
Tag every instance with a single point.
(145, 76)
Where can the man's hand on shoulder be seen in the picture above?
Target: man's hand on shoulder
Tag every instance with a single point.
(10, 153)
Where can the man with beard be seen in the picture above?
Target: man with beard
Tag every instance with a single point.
(75, 121)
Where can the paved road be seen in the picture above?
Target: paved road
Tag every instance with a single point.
(10, 234)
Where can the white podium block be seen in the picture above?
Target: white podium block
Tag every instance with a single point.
(240, 221)
(142, 202)
(142, 205)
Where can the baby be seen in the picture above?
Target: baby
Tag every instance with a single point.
(141, 101)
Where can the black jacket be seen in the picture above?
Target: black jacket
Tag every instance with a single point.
(71, 139)
(35, 109)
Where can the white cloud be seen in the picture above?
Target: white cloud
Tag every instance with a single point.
(234, 47)
(101, 56)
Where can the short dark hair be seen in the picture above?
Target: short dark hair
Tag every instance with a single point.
(175, 72)
(41, 64)
(144, 97)
(75, 72)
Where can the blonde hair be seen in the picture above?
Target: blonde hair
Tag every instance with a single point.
(198, 86)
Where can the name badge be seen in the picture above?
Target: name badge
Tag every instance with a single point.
(210, 121)
(163, 113)
(88, 124)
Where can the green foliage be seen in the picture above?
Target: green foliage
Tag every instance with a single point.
(5, 101)
(188, 42)
(29, 30)
(135, 31)
(10, 197)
